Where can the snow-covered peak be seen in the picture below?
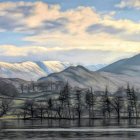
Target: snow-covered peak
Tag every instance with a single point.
(31, 70)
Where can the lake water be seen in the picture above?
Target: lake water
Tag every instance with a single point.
(69, 130)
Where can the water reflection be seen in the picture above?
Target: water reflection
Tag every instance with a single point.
(61, 123)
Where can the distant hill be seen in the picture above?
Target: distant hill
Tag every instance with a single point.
(9, 87)
(81, 77)
(129, 66)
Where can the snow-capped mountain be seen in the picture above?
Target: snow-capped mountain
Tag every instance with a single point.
(129, 66)
(31, 70)
(81, 77)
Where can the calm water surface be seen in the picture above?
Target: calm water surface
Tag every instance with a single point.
(69, 130)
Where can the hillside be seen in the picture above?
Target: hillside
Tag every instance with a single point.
(9, 87)
(81, 77)
(129, 66)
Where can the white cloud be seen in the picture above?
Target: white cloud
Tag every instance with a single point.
(129, 4)
(75, 55)
(62, 32)
(42, 12)
(40, 17)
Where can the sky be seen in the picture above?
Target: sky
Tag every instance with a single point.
(76, 31)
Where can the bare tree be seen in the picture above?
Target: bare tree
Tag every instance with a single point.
(90, 102)
(40, 109)
(78, 103)
(64, 99)
(118, 102)
(131, 102)
(28, 108)
(22, 88)
(66, 92)
(5, 106)
(33, 86)
(106, 104)
(50, 107)
(135, 102)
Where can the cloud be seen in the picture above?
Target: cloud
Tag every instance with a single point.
(8, 23)
(39, 17)
(102, 28)
(52, 26)
(42, 12)
(121, 33)
(82, 55)
(129, 3)
(56, 34)
(35, 15)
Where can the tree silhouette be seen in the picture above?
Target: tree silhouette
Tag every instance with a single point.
(118, 103)
(5, 106)
(90, 101)
(106, 104)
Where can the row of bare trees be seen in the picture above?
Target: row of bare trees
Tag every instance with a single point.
(72, 103)
(83, 103)
(40, 87)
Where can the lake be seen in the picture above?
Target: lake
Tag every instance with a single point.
(69, 130)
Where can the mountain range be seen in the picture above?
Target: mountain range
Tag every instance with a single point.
(115, 75)
(34, 70)
(81, 77)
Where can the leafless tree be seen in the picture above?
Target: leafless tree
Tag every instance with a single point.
(90, 102)
(132, 102)
(50, 107)
(40, 107)
(106, 104)
(28, 108)
(118, 102)
(78, 103)
(22, 88)
(5, 106)
(33, 86)
(64, 99)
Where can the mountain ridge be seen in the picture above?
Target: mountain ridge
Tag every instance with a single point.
(129, 66)
(81, 77)
(32, 70)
